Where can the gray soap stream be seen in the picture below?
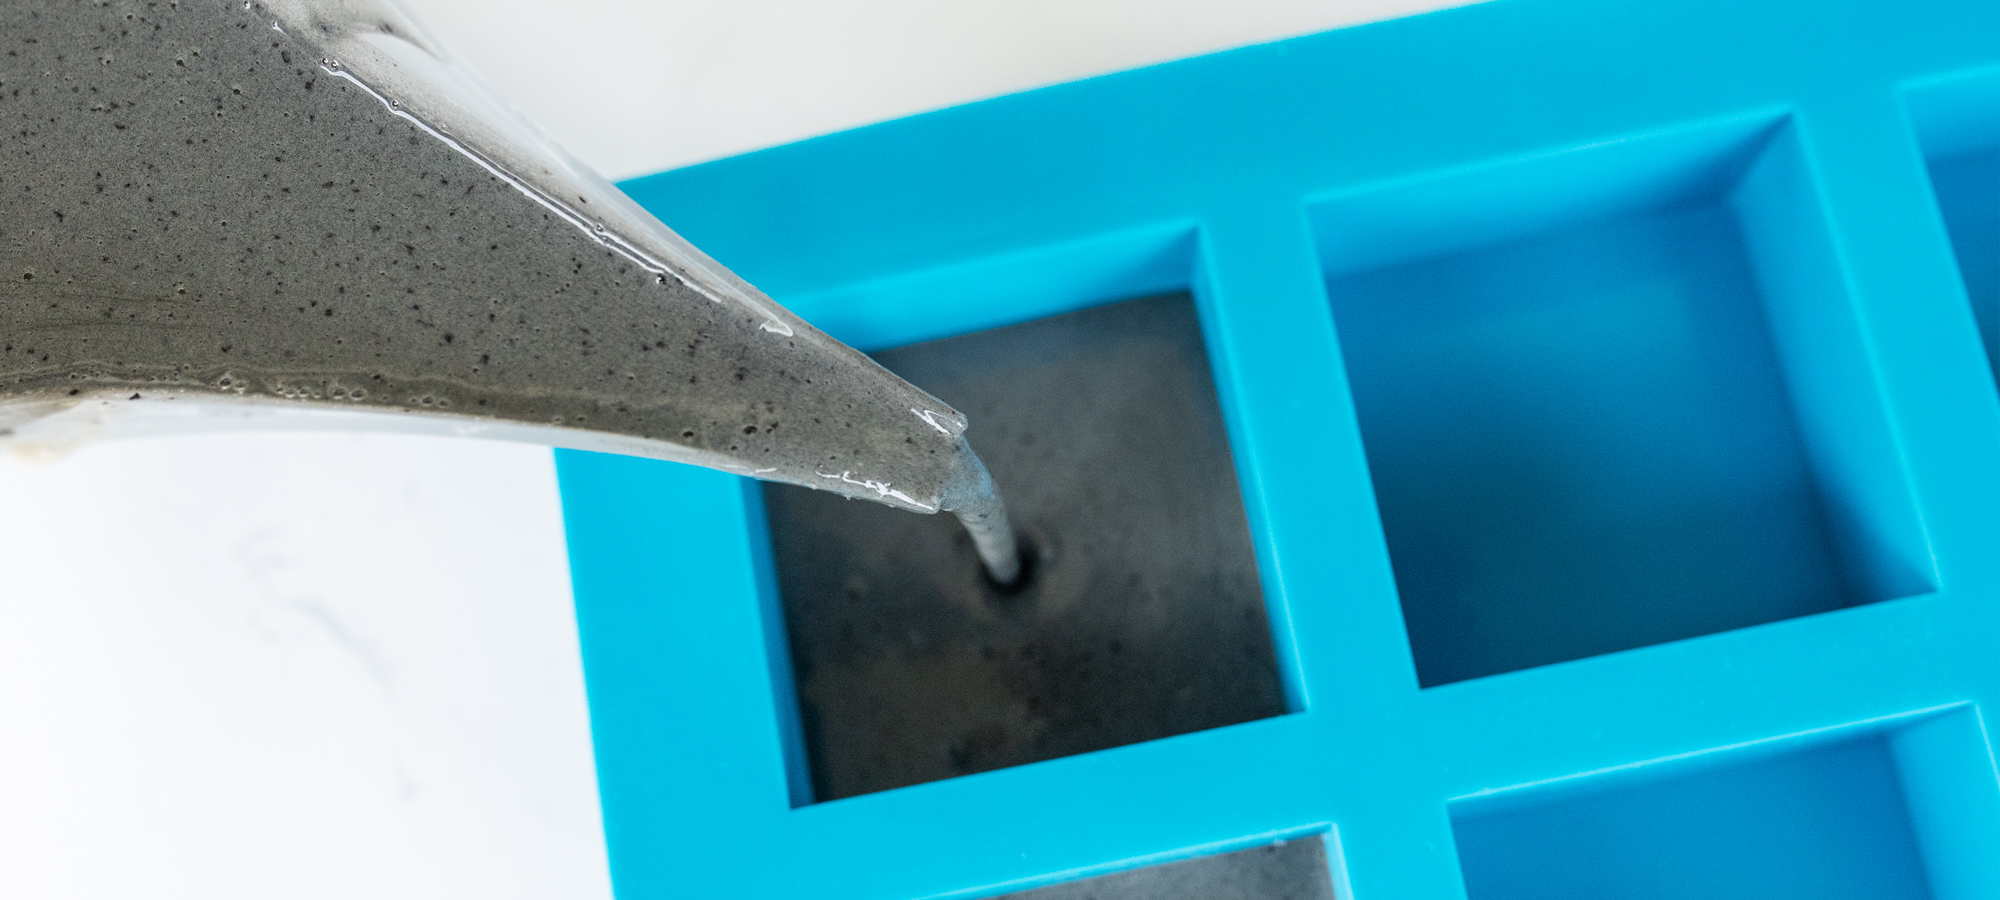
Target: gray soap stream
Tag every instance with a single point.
(217, 214)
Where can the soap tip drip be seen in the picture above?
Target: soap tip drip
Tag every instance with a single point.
(985, 519)
(972, 497)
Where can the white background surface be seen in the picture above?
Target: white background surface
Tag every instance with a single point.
(311, 665)
(634, 87)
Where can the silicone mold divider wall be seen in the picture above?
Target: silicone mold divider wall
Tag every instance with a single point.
(1606, 388)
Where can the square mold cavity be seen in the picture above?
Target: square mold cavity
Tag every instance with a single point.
(1286, 870)
(1144, 616)
(1957, 121)
(1910, 811)
(1614, 396)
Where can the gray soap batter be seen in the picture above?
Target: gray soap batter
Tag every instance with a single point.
(215, 212)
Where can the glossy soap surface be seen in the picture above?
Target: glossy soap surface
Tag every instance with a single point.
(217, 214)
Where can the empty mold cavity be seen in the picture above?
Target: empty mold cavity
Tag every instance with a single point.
(1286, 870)
(1958, 124)
(1909, 812)
(1614, 396)
(1142, 617)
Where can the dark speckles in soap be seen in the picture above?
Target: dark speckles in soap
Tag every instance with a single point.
(234, 210)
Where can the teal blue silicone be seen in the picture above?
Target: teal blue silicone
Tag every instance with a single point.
(1721, 270)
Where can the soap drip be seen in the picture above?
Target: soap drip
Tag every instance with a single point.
(993, 537)
(971, 495)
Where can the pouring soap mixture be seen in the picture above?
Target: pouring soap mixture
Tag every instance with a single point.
(224, 214)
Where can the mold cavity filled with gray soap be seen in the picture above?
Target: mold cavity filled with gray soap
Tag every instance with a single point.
(1290, 870)
(1142, 617)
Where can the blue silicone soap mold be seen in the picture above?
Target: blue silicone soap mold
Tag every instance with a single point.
(1610, 389)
